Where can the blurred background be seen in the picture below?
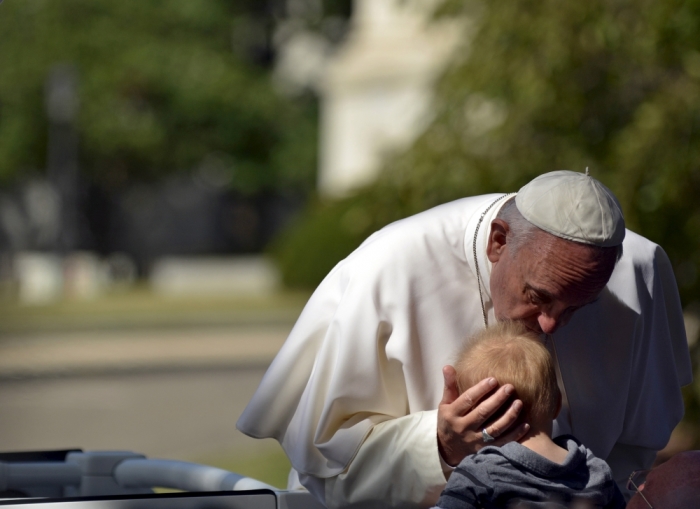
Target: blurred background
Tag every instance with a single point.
(176, 177)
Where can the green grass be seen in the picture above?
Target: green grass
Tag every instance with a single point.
(139, 308)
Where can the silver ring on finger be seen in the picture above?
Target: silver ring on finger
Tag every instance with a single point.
(486, 437)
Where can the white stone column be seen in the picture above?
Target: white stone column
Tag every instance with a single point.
(377, 89)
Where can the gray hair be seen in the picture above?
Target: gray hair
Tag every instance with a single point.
(521, 231)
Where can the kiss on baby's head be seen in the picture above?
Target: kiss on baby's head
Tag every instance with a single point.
(536, 469)
(513, 355)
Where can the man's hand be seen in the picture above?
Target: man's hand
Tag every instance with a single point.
(461, 418)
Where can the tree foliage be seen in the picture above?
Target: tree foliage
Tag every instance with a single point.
(164, 86)
(613, 85)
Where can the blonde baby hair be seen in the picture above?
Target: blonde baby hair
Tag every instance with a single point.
(513, 355)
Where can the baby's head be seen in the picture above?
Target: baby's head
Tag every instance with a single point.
(513, 355)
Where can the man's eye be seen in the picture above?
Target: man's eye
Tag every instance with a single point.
(568, 312)
(535, 299)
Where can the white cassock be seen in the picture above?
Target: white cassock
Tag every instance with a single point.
(352, 394)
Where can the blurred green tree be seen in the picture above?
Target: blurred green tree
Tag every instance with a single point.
(610, 85)
(164, 86)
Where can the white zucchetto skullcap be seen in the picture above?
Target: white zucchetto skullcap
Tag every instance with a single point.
(573, 206)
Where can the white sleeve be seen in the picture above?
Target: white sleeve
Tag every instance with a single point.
(660, 367)
(402, 449)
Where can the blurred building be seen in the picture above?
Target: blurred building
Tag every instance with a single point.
(123, 236)
(377, 88)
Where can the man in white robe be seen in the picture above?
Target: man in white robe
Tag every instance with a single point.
(353, 395)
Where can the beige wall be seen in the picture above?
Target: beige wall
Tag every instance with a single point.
(377, 89)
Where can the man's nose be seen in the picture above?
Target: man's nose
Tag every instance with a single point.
(548, 323)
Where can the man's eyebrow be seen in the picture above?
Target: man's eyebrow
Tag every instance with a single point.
(540, 291)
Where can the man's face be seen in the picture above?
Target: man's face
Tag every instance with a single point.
(545, 281)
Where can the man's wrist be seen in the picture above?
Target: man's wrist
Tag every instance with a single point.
(447, 469)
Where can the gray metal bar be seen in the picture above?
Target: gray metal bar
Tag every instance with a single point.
(26, 475)
(181, 475)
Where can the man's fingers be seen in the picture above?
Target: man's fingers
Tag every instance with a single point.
(474, 394)
(450, 393)
(461, 418)
(512, 435)
(502, 424)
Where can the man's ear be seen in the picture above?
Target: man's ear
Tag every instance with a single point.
(497, 240)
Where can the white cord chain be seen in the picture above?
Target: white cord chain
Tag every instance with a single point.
(476, 261)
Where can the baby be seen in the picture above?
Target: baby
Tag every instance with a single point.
(536, 471)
